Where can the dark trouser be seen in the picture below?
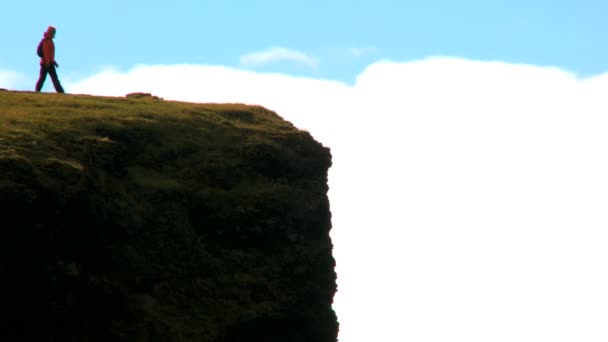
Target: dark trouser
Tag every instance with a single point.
(48, 70)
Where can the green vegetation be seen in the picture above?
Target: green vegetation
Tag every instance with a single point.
(138, 219)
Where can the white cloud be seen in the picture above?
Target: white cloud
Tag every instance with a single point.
(468, 198)
(198, 83)
(12, 80)
(277, 54)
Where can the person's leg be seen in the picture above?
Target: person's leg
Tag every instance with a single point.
(41, 78)
(55, 79)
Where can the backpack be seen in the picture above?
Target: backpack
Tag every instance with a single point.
(40, 50)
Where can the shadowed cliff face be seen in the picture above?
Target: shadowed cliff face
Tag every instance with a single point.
(145, 220)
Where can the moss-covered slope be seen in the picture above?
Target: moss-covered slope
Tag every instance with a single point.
(128, 219)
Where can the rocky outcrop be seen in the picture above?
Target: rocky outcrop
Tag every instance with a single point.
(134, 220)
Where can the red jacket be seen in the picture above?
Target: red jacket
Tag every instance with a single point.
(48, 48)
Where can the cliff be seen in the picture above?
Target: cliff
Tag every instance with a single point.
(138, 219)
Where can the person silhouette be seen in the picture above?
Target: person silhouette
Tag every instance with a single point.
(47, 61)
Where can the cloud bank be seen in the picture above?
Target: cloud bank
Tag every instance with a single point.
(277, 54)
(12, 80)
(468, 198)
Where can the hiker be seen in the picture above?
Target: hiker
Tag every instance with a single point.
(46, 48)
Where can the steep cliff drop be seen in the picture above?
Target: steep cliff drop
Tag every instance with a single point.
(137, 219)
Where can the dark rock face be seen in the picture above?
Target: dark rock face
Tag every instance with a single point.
(145, 234)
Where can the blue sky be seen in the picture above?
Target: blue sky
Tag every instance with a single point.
(468, 185)
(343, 36)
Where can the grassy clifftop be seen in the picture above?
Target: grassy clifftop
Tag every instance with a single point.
(126, 219)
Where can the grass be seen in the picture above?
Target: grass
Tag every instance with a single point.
(178, 221)
(36, 124)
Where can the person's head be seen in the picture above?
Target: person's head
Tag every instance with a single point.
(51, 31)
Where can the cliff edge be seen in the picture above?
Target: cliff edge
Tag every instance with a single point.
(137, 219)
